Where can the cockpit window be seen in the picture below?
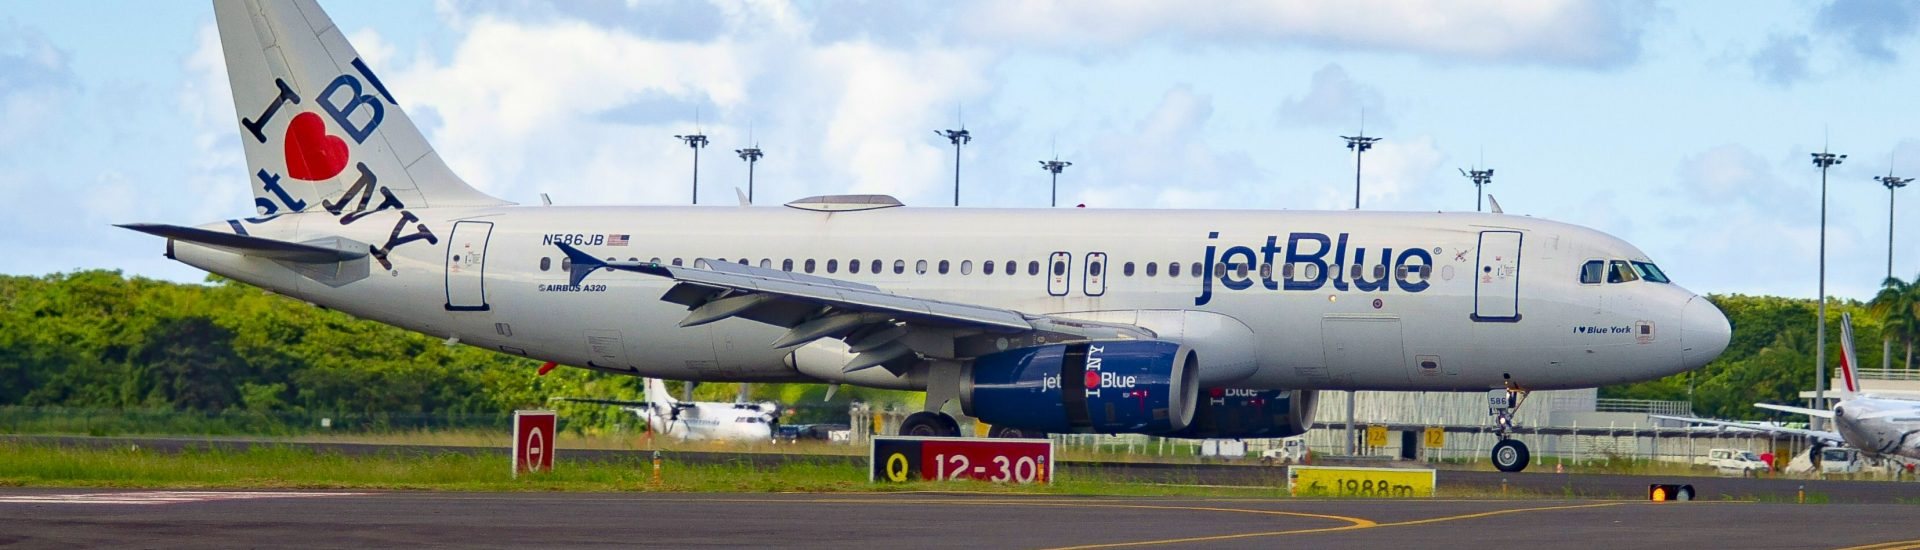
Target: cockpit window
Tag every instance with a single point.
(1650, 272)
(1592, 272)
(1621, 272)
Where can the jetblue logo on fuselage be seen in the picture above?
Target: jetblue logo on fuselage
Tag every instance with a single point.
(1327, 255)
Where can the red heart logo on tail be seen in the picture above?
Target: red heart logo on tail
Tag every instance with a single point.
(312, 154)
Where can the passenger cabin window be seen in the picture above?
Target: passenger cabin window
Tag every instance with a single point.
(1620, 272)
(1592, 271)
(1196, 270)
(809, 265)
(920, 268)
(853, 266)
(876, 267)
(1650, 272)
(1127, 269)
(1013, 267)
(676, 262)
(986, 267)
(1095, 269)
(566, 264)
(1059, 268)
(1266, 271)
(966, 267)
(786, 265)
(1153, 269)
(1033, 267)
(832, 265)
(766, 263)
(943, 267)
(899, 267)
(546, 263)
(1173, 269)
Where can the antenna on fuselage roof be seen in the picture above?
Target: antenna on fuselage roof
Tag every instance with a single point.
(1494, 203)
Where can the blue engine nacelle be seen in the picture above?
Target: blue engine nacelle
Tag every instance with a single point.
(1225, 413)
(1128, 386)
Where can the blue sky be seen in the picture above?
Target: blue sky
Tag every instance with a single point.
(1683, 127)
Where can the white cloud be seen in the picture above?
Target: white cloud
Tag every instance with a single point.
(218, 176)
(515, 122)
(1570, 32)
(1164, 161)
(1334, 98)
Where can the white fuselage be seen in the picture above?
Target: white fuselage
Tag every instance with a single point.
(1879, 425)
(1500, 300)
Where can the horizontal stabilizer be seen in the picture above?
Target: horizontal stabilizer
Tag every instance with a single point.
(248, 245)
(1801, 410)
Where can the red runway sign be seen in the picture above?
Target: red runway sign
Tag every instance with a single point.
(943, 458)
(533, 434)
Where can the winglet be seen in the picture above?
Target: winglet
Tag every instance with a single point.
(583, 264)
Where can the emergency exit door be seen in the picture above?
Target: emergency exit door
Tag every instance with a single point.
(1496, 288)
(467, 266)
(1060, 274)
(1094, 282)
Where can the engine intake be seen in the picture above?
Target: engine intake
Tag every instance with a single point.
(1129, 386)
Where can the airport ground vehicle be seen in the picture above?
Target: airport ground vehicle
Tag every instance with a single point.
(1181, 323)
(1734, 462)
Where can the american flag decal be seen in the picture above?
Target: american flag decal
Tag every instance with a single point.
(617, 240)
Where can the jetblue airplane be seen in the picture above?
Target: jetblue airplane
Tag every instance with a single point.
(1878, 425)
(696, 420)
(1181, 323)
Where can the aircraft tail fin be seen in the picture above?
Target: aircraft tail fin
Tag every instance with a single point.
(319, 128)
(1848, 361)
(657, 392)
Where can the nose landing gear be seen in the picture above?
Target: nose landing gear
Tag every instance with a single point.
(1509, 455)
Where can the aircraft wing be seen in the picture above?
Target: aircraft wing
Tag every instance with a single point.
(880, 327)
(1833, 437)
(612, 402)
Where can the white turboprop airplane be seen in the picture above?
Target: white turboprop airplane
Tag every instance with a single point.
(1181, 323)
(1876, 425)
(696, 420)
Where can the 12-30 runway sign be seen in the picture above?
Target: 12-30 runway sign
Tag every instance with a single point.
(898, 459)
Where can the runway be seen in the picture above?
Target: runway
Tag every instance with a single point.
(67, 517)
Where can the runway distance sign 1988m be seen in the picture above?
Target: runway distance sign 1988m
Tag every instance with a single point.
(1322, 481)
(900, 459)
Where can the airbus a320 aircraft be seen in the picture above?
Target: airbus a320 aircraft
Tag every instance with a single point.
(1877, 425)
(1181, 323)
(695, 420)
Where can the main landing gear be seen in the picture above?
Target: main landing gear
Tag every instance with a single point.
(1509, 455)
(930, 424)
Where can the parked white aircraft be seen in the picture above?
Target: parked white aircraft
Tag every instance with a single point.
(696, 420)
(1876, 425)
(1182, 323)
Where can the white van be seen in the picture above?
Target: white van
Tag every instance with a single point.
(1734, 462)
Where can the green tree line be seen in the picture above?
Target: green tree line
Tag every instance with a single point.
(98, 339)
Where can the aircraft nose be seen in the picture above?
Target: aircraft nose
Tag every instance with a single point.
(1704, 332)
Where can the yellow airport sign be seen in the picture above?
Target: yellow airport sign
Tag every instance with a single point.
(1376, 435)
(1327, 481)
(1436, 437)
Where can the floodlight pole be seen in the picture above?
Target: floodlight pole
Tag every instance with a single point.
(958, 137)
(1480, 179)
(1824, 160)
(1055, 166)
(696, 142)
(1359, 145)
(751, 155)
(1892, 183)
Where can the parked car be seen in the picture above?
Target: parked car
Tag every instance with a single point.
(1734, 462)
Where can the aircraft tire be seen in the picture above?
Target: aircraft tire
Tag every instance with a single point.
(1510, 455)
(929, 424)
(1014, 433)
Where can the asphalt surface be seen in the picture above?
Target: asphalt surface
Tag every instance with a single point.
(146, 519)
(1567, 485)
